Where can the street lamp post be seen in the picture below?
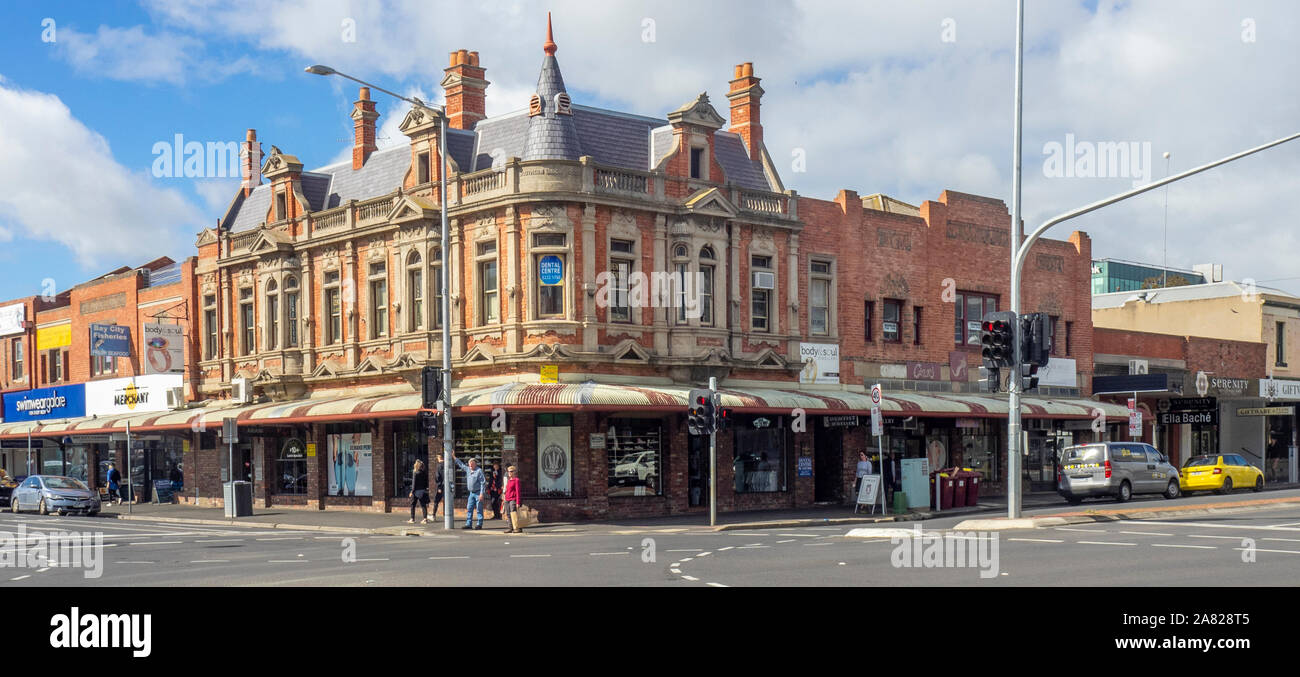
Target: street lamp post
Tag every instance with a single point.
(1019, 261)
(448, 441)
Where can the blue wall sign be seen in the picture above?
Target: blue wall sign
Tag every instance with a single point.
(110, 340)
(550, 270)
(41, 403)
(805, 466)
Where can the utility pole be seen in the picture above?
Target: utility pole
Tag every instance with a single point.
(713, 458)
(1013, 388)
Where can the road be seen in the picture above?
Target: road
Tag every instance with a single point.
(1193, 550)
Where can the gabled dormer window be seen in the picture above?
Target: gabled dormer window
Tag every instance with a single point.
(281, 206)
(697, 163)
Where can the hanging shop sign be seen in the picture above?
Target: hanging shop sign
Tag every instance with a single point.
(1266, 411)
(821, 363)
(110, 340)
(164, 348)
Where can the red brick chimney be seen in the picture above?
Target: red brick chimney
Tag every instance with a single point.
(744, 96)
(465, 90)
(250, 162)
(363, 126)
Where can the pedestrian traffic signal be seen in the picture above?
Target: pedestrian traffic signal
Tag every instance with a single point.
(724, 418)
(699, 411)
(1034, 346)
(1028, 377)
(990, 379)
(997, 336)
(429, 423)
(430, 387)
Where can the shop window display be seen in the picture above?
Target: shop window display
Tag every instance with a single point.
(760, 459)
(635, 455)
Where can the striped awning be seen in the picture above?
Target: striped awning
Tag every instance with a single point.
(535, 397)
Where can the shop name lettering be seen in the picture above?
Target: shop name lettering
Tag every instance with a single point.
(130, 399)
(894, 240)
(42, 405)
(979, 234)
(1228, 384)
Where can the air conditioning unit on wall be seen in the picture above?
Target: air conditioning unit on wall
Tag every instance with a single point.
(764, 280)
(1137, 367)
(240, 391)
(176, 398)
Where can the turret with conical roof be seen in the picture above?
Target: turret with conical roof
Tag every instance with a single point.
(552, 134)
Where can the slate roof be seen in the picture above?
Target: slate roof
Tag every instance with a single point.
(551, 136)
(729, 150)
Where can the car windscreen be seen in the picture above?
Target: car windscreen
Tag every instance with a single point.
(63, 483)
(1201, 460)
(1090, 454)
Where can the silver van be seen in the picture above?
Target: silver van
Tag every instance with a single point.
(1118, 469)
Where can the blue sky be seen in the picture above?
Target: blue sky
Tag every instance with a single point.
(905, 98)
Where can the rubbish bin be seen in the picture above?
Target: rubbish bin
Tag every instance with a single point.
(900, 503)
(238, 499)
(959, 491)
(973, 490)
(945, 491)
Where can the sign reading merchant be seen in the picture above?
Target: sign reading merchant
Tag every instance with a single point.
(41, 403)
(131, 395)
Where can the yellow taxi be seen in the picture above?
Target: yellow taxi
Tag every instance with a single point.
(1220, 474)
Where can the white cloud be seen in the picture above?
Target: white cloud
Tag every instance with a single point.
(216, 194)
(63, 185)
(880, 102)
(130, 54)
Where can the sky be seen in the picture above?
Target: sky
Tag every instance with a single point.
(905, 98)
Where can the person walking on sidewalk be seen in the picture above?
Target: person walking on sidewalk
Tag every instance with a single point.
(511, 496)
(864, 468)
(437, 490)
(114, 483)
(495, 478)
(420, 492)
(476, 486)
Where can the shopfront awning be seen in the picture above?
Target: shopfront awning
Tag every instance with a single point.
(564, 397)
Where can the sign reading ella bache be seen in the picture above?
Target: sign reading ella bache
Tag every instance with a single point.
(131, 395)
(42, 403)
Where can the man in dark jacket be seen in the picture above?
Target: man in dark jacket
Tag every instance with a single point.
(494, 479)
(438, 480)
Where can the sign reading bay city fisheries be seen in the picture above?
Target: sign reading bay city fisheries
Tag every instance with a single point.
(110, 340)
(131, 395)
(12, 319)
(41, 403)
(821, 363)
(164, 348)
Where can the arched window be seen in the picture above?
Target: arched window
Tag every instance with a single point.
(272, 315)
(291, 311)
(414, 292)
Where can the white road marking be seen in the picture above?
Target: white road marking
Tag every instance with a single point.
(810, 545)
(788, 540)
(800, 535)
(127, 561)
(1229, 538)
(753, 547)
(43, 570)
(1213, 525)
(530, 555)
(219, 540)
(1037, 540)
(726, 548)
(1103, 543)
(282, 538)
(682, 550)
(156, 543)
(1145, 533)
(687, 559)
(1289, 552)
(371, 559)
(689, 578)
(19, 578)
(286, 561)
(598, 554)
(1288, 524)
(1175, 545)
(1290, 540)
(1090, 531)
(750, 544)
(705, 554)
(207, 561)
(716, 585)
(452, 557)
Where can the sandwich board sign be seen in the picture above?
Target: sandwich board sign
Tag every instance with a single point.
(868, 493)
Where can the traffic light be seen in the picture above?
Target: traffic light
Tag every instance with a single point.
(1034, 348)
(429, 423)
(724, 418)
(990, 379)
(997, 336)
(699, 411)
(1028, 377)
(430, 387)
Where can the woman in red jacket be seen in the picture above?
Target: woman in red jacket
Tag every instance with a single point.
(511, 496)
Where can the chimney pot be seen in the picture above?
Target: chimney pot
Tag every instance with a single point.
(473, 59)
(252, 135)
(740, 71)
(462, 57)
(452, 60)
(749, 69)
(364, 95)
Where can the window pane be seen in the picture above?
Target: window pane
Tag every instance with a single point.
(634, 451)
(706, 295)
(759, 463)
(619, 310)
(291, 310)
(551, 300)
(683, 284)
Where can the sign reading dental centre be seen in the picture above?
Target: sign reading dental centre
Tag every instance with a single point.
(132, 395)
(550, 270)
(41, 403)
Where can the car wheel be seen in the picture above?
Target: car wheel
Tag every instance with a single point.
(1227, 486)
(13, 505)
(1259, 484)
(1173, 490)
(42, 509)
(92, 513)
(1125, 492)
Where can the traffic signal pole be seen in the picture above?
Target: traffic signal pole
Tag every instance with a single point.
(713, 462)
(1013, 388)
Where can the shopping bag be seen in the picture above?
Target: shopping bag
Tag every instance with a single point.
(527, 517)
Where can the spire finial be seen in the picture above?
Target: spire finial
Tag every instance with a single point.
(550, 45)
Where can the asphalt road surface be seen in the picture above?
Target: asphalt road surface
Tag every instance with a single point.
(1239, 548)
